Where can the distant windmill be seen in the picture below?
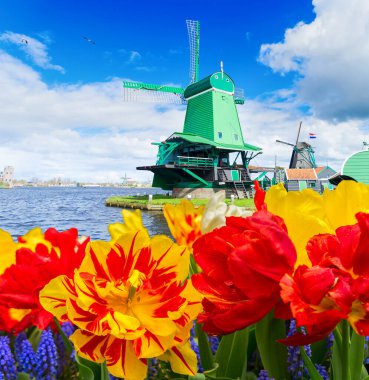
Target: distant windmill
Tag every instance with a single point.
(154, 93)
(302, 153)
(125, 180)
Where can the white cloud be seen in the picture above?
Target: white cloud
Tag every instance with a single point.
(134, 56)
(264, 121)
(36, 50)
(330, 56)
(87, 132)
(83, 132)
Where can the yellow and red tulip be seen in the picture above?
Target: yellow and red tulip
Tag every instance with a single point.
(335, 287)
(132, 301)
(307, 213)
(184, 222)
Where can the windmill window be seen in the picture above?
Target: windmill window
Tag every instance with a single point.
(235, 137)
(227, 80)
(220, 135)
(216, 76)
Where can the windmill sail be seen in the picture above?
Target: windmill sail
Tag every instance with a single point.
(302, 153)
(152, 93)
(239, 96)
(193, 29)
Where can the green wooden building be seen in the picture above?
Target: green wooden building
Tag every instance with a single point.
(357, 166)
(210, 154)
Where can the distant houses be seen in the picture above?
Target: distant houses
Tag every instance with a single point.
(316, 179)
(312, 178)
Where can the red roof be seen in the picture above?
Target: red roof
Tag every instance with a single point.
(319, 169)
(301, 174)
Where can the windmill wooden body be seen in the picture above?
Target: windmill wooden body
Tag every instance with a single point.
(210, 154)
(302, 156)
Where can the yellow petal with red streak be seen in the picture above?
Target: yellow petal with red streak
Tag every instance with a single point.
(182, 359)
(53, 296)
(172, 256)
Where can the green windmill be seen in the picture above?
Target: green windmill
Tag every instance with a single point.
(210, 154)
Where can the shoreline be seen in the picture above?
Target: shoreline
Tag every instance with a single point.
(158, 202)
(142, 206)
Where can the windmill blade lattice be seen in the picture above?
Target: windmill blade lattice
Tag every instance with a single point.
(152, 93)
(193, 29)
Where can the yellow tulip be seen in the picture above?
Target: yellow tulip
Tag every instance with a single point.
(307, 213)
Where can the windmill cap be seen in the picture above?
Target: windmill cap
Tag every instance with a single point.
(217, 81)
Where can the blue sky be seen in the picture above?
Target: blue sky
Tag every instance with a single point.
(156, 30)
(62, 112)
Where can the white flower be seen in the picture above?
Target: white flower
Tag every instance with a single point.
(216, 211)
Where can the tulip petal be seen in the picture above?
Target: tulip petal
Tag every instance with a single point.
(182, 359)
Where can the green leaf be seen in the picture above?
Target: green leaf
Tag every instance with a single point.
(34, 338)
(231, 355)
(67, 343)
(313, 372)
(319, 351)
(356, 355)
(206, 356)
(336, 361)
(88, 370)
(193, 266)
(104, 372)
(364, 372)
(346, 338)
(23, 376)
(218, 378)
(198, 376)
(273, 354)
(250, 376)
(337, 355)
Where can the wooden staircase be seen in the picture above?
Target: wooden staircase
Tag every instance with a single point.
(222, 176)
(242, 191)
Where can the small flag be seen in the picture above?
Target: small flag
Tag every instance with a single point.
(312, 135)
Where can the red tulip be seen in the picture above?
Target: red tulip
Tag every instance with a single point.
(242, 265)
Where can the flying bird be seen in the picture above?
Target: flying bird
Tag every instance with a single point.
(24, 41)
(89, 40)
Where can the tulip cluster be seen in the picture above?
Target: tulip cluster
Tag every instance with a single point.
(216, 303)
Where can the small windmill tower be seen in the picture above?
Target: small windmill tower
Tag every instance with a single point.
(302, 153)
(125, 180)
(210, 154)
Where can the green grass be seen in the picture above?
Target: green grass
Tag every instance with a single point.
(160, 199)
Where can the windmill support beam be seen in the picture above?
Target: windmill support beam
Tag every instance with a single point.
(192, 174)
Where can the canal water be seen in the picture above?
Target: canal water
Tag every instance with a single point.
(24, 208)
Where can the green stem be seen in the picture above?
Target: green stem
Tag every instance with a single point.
(193, 265)
(346, 349)
(356, 355)
(273, 354)
(206, 356)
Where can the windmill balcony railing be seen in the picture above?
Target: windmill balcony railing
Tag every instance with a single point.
(199, 162)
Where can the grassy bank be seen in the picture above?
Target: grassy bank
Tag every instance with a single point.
(161, 200)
